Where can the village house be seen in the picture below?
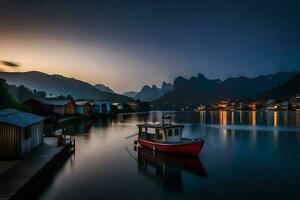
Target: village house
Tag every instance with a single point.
(39, 106)
(83, 107)
(102, 107)
(20, 132)
(62, 106)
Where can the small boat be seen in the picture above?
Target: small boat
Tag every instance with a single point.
(167, 137)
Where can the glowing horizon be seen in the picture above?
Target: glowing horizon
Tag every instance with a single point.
(128, 46)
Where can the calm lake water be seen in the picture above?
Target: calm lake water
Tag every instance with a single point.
(247, 155)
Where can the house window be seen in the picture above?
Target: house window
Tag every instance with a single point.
(177, 131)
(170, 132)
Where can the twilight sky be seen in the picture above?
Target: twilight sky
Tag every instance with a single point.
(127, 44)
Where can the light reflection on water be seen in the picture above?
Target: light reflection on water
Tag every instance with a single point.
(247, 155)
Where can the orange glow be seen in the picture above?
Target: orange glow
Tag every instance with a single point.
(91, 62)
(253, 118)
(275, 119)
(253, 106)
(223, 116)
(232, 117)
(222, 106)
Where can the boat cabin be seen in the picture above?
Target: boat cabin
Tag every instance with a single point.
(164, 133)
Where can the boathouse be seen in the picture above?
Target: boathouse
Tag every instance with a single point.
(102, 107)
(62, 106)
(83, 107)
(39, 106)
(20, 132)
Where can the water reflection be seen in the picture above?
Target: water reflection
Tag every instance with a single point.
(232, 117)
(275, 119)
(224, 136)
(79, 127)
(223, 117)
(167, 169)
(75, 127)
(253, 118)
(242, 154)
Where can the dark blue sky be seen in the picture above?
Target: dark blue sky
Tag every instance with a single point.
(147, 42)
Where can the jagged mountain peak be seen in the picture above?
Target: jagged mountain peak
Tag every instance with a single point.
(150, 93)
(202, 90)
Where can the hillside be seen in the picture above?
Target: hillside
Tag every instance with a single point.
(203, 90)
(55, 85)
(283, 92)
(6, 99)
(103, 88)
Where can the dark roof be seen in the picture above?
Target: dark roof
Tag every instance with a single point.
(19, 118)
(41, 100)
(160, 125)
(58, 102)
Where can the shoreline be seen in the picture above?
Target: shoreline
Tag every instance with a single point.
(21, 179)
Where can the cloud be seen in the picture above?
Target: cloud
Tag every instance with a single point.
(9, 63)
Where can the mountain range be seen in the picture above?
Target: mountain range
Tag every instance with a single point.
(200, 89)
(183, 91)
(283, 92)
(55, 85)
(148, 93)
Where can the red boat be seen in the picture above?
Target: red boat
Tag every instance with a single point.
(167, 137)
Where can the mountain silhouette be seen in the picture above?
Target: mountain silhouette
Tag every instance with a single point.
(200, 89)
(148, 93)
(55, 85)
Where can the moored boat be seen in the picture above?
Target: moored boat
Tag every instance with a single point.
(167, 137)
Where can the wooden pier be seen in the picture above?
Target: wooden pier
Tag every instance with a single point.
(19, 179)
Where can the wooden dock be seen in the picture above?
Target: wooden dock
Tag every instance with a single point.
(18, 179)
